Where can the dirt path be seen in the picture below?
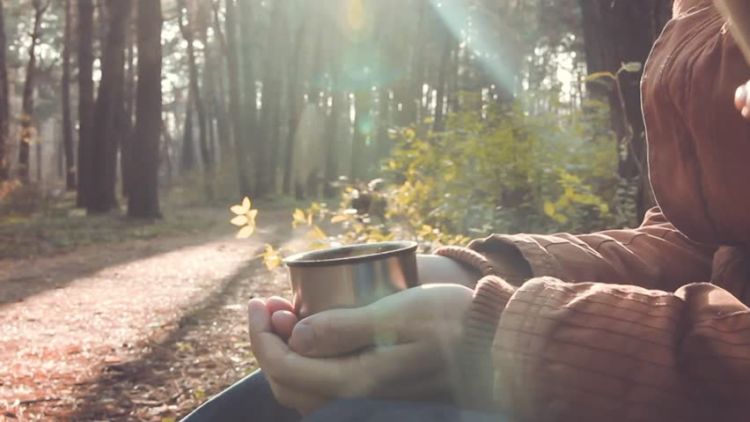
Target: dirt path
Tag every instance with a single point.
(135, 331)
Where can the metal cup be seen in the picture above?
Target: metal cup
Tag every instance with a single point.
(737, 12)
(351, 276)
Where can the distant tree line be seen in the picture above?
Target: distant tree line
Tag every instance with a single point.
(288, 96)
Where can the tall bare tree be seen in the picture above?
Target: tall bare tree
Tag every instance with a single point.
(4, 100)
(235, 101)
(295, 101)
(85, 99)
(67, 119)
(109, 114)
(616, 33)
(189, 30)
(28, 130)
(144, 195)
(267, 149)
(130, 86)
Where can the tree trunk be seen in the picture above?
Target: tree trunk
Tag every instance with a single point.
(445, 58)
(615, 33)
(221, 93)
(413, 106)
(67, 122)
(235, 105)
(85, 99)
(130, 87)
(363, 124)
(27, 113)
(295, 104)
(110, 110)
(249, 134)
(188, 33)
(332, 137)
(267, 149)
(4, 101)
(144, 196)
(187, 163)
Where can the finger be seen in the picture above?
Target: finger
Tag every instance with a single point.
(267, 346)
(259, 317)
(401, 369)
(356, 375)
(283, 323)
(334, 333)
(276, 304)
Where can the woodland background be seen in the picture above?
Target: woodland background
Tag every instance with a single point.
(526, 111)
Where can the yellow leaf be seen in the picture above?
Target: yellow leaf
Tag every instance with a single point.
(246, 232)
(240, 220)
(238, 209)
(299, 218)
(251, 215)
(549, 209)
(247, 204)
(272, 258)
(339, 219)
(317, 233)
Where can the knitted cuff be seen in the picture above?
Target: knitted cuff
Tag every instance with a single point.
(491, 296)
(468, 257)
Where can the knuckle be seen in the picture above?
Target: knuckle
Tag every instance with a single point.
(323, 327)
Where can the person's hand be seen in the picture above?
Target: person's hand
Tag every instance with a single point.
(742, 100)
(401, 347)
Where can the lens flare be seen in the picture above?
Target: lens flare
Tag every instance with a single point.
(355, 15)
(476, 33)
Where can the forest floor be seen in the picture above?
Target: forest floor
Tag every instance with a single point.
(143, 329)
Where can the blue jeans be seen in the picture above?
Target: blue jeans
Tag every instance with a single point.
(251, 400)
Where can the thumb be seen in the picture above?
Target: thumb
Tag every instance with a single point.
(334, 333)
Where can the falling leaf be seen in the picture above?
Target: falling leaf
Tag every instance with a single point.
(240, 220)
(316, 233)
(339, 219)
(272, 258)
(244, 208)
(251, 216)
(298, 218)
(246, 232)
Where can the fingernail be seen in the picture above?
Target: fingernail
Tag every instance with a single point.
(302, 338)
(256, 310)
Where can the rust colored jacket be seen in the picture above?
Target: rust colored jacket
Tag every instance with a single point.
(650, 324)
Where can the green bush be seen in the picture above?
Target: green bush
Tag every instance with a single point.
(509, 171)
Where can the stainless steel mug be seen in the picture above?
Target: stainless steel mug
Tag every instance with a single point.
(351, 276)
(737, 12)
